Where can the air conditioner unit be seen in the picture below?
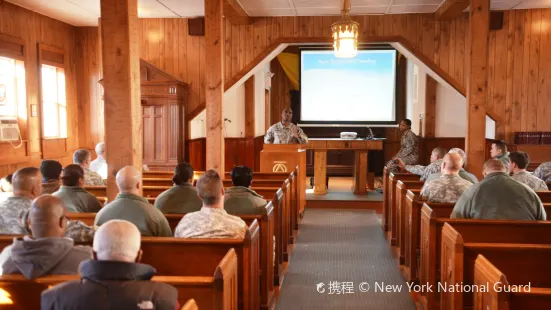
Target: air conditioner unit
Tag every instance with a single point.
(9, 130)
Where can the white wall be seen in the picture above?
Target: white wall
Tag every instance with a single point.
(234, 110)
(416, 93)
(490, 128)
(451, 113)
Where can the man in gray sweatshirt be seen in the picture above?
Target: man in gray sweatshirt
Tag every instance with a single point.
(46, 251)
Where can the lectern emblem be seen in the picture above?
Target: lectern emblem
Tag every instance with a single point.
(279, 167)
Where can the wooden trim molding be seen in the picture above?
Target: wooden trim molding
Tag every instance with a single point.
(12, 47)
(451, 9)
(234, 12)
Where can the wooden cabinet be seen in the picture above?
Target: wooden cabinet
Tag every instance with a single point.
(163, 106)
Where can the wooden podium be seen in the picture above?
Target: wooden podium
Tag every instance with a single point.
(284, 158)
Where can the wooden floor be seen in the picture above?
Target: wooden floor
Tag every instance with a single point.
(340, 196)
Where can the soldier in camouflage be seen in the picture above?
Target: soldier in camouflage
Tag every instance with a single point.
(285, 132)
(409, 148)
(499, 152)
(424, 171)
(449, 186)
(212, 221)
(517, 165)
(91, 178)
(464, 174)
(544, 172)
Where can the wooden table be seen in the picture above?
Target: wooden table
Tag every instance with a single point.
(361, 147)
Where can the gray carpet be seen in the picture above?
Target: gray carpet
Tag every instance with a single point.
(342, 246)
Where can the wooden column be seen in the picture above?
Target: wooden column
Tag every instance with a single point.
(249, 108)
(360, 172)
(214, 50)
(430, 108)
(320, 172)
(477, 79)
(121, 83)
(267, 109)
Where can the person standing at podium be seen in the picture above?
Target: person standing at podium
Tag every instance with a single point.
(409, 148)
(285, 132)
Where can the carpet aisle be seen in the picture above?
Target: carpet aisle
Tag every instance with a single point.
(342, 246)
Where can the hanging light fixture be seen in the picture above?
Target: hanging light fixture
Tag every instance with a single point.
(345, 34)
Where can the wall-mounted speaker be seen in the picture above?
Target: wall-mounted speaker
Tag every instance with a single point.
(196, 26)
(496, 20)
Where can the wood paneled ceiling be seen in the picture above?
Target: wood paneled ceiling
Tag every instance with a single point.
(86, 12)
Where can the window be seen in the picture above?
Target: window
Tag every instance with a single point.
(12, 88)
(54, 106)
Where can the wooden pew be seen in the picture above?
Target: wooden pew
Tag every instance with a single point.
(257, 183)
(155, 191)
(533, 166)
(545, 196)
(507, 284)
(98, 191)
(386, 202)
(190, 305)
(392, 234)
(157, 182)
(217, 290)
(402, 188)
(503, 242)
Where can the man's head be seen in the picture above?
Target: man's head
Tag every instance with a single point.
(50, 169)
(498, 148)
(241, 176)
(210, 189)
(128, 180)
(117, 240)
(452, 163)
(461, 153)
(493, 165)
(81, 157)
(100, 149)
(286, 115)
(405, 124)
(72, 175)
(27, 182)
(47, 217)
(183, 174)
(519, 161)
(437, 153)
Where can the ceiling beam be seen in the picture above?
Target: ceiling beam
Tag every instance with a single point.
(451, 9)
(233, 11)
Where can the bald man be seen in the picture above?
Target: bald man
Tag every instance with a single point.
(99, 164)
(115, 279)
(499, 197)
(424, 171)
(285, 132)
(46, 251)
(464, 174)
(27, 185)
(449, 186)
(130, 206)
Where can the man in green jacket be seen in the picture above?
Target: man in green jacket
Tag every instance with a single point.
(130, 206)
(182, 198)
(240, 199)
(75, 198)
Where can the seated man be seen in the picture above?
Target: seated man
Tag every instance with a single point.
(27, 185)
(544, 171)
(51, 170)
(91, 178)
(517, 165)
(499, 151)
(182, 198)
(464, 174)
(499, 197)
(130, 206)
(240, 199)
(47, 251)
(114, 279)
(424, 171)
(212, 221)
(449, 186)
(285, 132)
(409, 148)
(75, 198)
(99, 164)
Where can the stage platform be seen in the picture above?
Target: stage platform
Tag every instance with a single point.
(340, 196)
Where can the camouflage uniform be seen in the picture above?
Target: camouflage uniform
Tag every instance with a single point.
(425, 171)
(447, 188)
(92, 178)
(409, 151)
(532, 181)
(464, 174)
(210, 223)
(50, 186)
(504, 158)
(544, 171)
(242, 200)
(14, 214)
(279, 134)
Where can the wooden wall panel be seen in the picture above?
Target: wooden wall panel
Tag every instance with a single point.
(34, 28)
(280, 97)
